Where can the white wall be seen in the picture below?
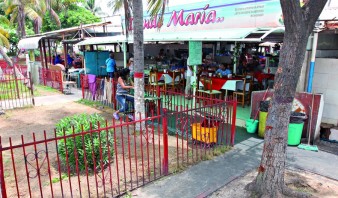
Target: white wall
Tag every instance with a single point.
(325, 82)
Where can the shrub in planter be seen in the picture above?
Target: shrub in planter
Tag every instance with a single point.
(86, 146)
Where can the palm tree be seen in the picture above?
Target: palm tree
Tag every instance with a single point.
(138, 56)
(4, 41)
(34, 10)
(136, 7)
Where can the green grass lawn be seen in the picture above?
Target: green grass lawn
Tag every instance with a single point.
(9, 90)
(40, 90)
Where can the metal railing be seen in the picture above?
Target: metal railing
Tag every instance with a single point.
(129, 154)
(15, 91)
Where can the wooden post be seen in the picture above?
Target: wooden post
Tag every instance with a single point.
(64, 51)
(50, 52)
(44, 52)
(65, 54)
(41, 56)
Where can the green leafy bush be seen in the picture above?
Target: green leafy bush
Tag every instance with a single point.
(90, 141)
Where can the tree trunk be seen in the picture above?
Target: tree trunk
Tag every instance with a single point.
(299, 22)
(138, 59)
(21, 20)
(4, 55)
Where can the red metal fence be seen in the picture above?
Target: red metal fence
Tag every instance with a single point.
(15, 91)
(51, 78)
(131, 154)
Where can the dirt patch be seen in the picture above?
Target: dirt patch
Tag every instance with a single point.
(28, 120)
(316, 185)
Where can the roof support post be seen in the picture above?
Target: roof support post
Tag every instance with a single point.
(124, 46)
(50, 52)
(41, 55)
(44, 52)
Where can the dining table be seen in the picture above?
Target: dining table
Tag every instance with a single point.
(226, 84)
(167, 77)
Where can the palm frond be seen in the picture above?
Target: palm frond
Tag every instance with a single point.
(41, 6)
(4, 41)
(35, 17)
(116, 5)
(10, 9)
(14, 15)
(155, 8)
(4, 20)
(31, 13)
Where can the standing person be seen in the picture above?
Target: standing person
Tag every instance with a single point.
(188, 81)
(111, 65)
(121, 94)
(130, 66)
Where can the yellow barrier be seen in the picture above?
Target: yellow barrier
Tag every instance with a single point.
(261, 126)
(204, 134)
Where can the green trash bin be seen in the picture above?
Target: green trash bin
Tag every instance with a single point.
(295, 133)
(262, 121)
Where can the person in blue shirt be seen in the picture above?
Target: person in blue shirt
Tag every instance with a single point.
(223, 71)
(69, 61)
(58, 60)
(111, 65)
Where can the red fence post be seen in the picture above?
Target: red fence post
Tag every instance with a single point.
(233, 122)
(165, 160)
(2, 175)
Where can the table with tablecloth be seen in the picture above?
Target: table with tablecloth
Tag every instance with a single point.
(225, 83)
(167, 77)
(259, 76)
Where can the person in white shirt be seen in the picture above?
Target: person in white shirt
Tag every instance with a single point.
(188, 79)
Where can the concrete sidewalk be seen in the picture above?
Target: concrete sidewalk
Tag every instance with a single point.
(208, 176)
(58, 98)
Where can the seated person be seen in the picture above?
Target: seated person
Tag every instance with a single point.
(201, 71)
(223, 71)
(69, 61)
(58, 60)
(77, 62)
(242, 68)
(121, 93)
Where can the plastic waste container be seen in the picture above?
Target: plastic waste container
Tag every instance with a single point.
(296, 128)
(251, 125)
(295, 133)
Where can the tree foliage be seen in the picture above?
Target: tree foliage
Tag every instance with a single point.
(74, 16)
